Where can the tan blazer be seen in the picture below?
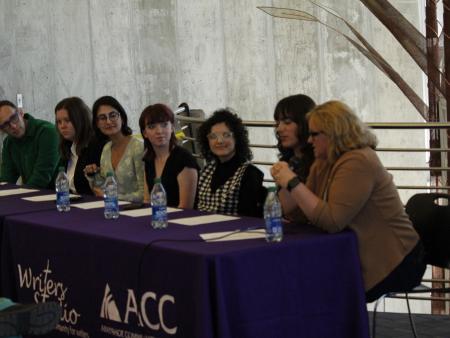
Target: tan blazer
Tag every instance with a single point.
(358, 192)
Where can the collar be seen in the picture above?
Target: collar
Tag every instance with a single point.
(73, 149)
(230, 163)
(30, 128)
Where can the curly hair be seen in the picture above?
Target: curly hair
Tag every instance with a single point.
(234, 123)
(156, 113)
(109, 101)
(344, 129)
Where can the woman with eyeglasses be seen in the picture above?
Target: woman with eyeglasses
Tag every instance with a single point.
(229, 183)
(291, 130)
(348, 187)
(163, 158)
(78, 144)
(122, 154)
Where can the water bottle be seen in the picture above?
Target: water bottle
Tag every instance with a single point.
(62, 191)
(111, 199)
(159, 205)
(272, 217)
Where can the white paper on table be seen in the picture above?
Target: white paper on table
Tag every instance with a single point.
(16, 191)
(94, 204)
(147, 211)
(44, 198)
(233, 235)
(197, 220)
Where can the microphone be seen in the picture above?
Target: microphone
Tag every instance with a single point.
(297, 165)
(294, 162)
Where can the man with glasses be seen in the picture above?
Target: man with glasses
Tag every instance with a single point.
(30, 150)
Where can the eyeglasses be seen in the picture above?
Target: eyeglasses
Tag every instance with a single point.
(224, 136)
(112, 116)
(315, 133)
(13, 119)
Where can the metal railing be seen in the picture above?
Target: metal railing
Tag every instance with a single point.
(375, 125)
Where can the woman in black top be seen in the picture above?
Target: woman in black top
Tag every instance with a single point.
(292, 133)
(228, 184)
(163, 158)
(78, 144)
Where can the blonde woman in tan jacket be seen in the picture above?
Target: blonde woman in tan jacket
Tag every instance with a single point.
(348, 187)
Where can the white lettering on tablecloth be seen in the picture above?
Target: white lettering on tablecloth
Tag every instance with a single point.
(45, 288)
(109, 309)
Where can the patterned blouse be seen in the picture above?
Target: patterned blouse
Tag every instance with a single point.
(129, 173)
(235, 189)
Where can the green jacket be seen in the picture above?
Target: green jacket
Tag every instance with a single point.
(34, 156)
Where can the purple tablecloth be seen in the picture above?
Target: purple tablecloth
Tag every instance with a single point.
(121, 278)
(12, 205)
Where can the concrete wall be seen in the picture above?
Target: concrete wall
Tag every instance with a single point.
(208, 53)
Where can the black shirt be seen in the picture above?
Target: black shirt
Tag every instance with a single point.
(178, 159)
(89, 155)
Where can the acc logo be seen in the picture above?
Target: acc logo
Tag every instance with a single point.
(110, 311)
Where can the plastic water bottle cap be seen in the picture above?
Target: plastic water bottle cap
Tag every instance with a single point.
(157, 180)
(109, 174)
(61, 169)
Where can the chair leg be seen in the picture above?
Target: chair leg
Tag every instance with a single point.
(411, 320)
(374, 317)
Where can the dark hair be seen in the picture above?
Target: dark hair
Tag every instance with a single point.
(109, 101)
(156, 113)
(234, 123)
(80, 117)
(7, 103)
(295, 107)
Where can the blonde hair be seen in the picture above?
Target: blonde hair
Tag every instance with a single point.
(344, 129)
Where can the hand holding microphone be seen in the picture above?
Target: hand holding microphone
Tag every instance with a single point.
(281, 173)
(298, 166)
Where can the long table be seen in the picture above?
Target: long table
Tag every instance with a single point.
(15, 204)
(13, 201)
(121, 278)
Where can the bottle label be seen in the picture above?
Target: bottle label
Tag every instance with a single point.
(62, 198)
(111, 204)
(274, 225)
(159, 213)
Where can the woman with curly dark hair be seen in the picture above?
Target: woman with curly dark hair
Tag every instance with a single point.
(229, 183)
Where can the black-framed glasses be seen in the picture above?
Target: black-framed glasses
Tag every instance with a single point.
(315, 133)
(224, 136)
(13, 119)
(112, 116)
